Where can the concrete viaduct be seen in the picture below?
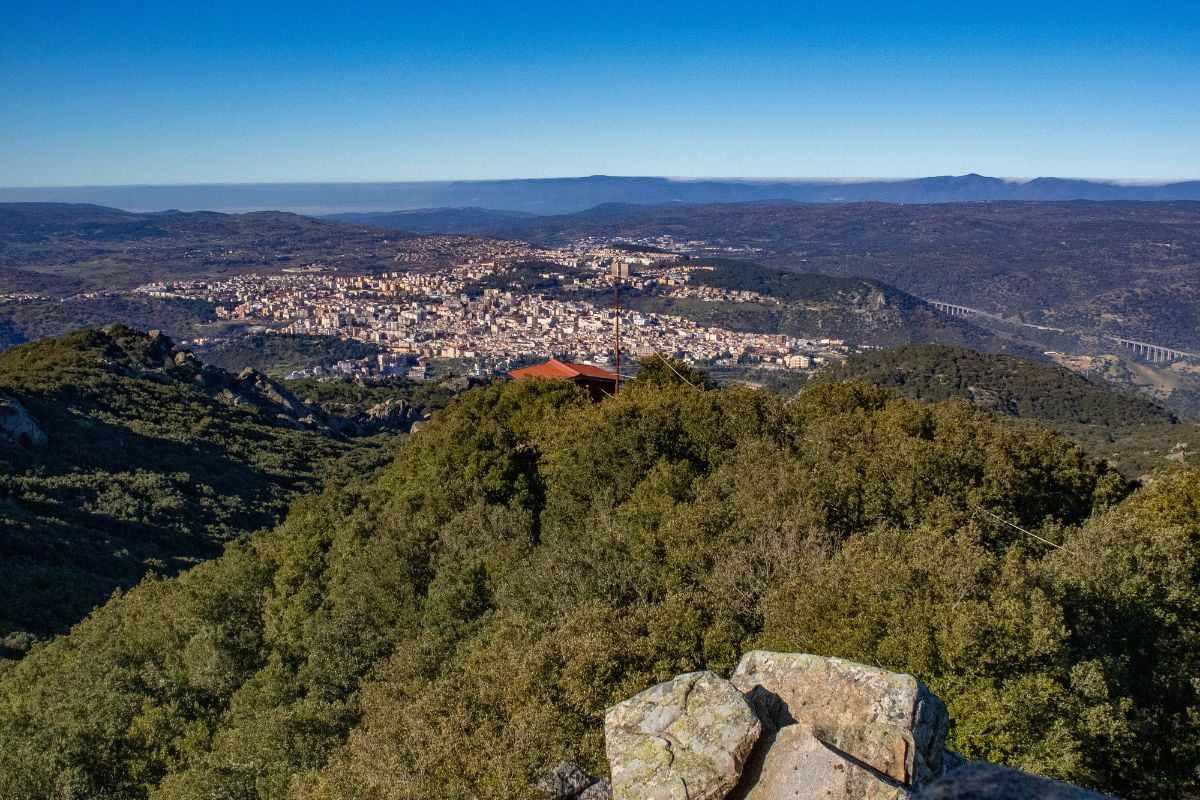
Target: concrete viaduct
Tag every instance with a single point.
(1154, 353)
(955, 310)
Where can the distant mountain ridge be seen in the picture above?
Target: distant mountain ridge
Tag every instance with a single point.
(433, 220)
(566, 195)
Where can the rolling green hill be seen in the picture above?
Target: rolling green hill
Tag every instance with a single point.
(456, 625)
(29, 320)
(1130, 430)
(1000, 383)
(849, 308)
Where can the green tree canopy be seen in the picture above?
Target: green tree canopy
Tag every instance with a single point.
(457, 626)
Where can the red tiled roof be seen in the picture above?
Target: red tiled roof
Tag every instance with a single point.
(588, 371)
(563, 369)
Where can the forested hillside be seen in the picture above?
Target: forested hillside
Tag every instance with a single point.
(139, 459)
(1005, 384)
(457, 626)
(1130, 430)
(29, 320)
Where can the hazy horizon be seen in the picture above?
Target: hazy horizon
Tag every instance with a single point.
(569, 195)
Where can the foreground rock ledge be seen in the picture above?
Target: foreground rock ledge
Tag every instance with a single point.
(829, 729)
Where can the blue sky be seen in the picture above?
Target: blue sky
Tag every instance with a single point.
(138, 92)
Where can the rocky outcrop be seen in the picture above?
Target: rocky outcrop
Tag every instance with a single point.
(830, 729)
(258, 386)
(252, 388)
(155, 357)
(17, 424)
(686, 739)
(888, 721)
(395, 411)
(569, 782)
(980, 781)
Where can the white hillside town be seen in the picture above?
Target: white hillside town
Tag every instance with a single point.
(469, 311)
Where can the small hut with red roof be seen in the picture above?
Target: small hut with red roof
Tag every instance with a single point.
(599, 382)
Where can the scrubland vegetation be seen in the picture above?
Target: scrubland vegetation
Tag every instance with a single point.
(455, 625)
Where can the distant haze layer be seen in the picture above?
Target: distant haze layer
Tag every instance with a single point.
(567, 195)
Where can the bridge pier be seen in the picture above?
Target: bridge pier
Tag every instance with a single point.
(1153, 353)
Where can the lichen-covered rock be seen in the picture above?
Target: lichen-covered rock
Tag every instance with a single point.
(799, 766)
(980, 781)
(889, 749)
(686, 739)
(837, 697)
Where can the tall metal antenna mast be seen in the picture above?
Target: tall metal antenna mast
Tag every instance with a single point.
(617, 328)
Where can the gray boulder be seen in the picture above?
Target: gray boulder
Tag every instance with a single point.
(251, 381)
(686, 739)
(981, 781)
(798, 765)
(886, 720)
(566, 781)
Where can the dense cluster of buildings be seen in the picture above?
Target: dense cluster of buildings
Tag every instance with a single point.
(470, 311)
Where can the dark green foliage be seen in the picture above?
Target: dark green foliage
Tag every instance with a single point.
(10, 335)
(661, 371)
(791, 287)
(1076, 662)
(1129, 430)
(350, 396)
(144, 471)
(456, 626)
(1000, 383)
